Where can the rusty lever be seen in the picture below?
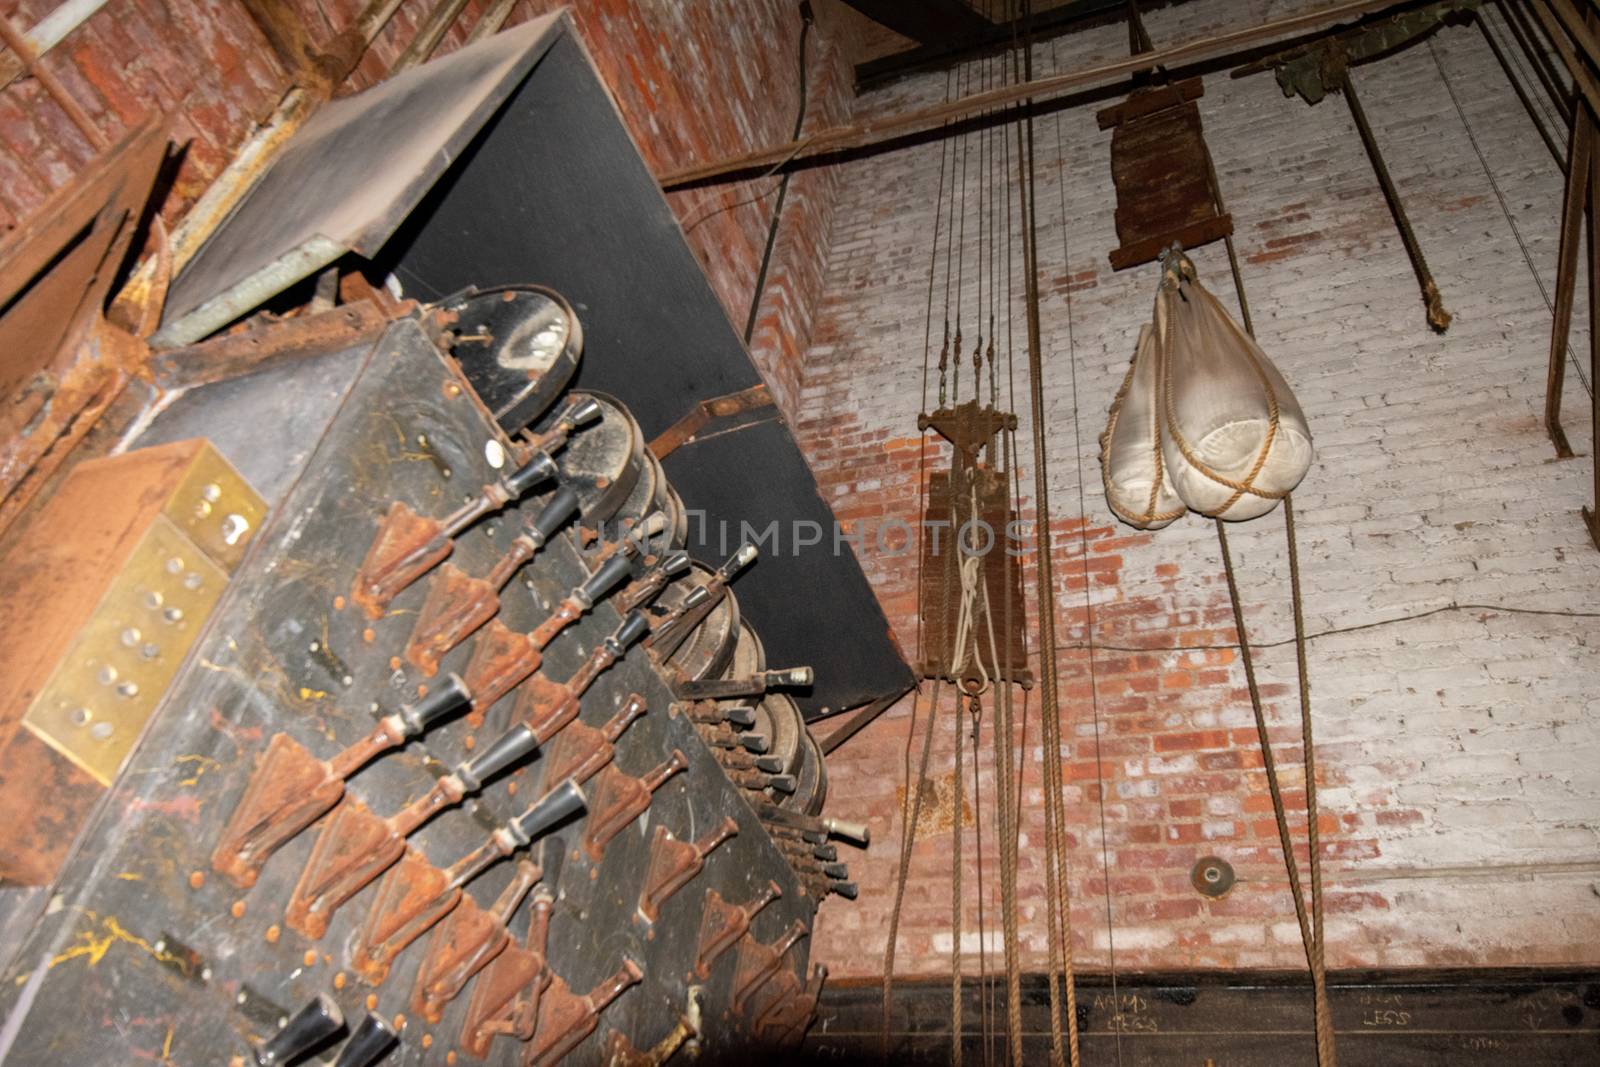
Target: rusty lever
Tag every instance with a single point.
(408, 546)
(458, 604)
(291, 788)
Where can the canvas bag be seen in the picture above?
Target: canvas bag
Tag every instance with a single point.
(1131, 462)
(1227, 438)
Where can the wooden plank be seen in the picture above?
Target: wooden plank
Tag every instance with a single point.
(1246, 1020)
(925, 21)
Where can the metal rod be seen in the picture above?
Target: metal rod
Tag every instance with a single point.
(58, 92)
(1581, 147)
(1038, 89)
(1582, 80)
(429, 35)
(1438, 317)
(1522, 94)
(47, 33)
(859, 720)
(1544, 67)
(1591, 517)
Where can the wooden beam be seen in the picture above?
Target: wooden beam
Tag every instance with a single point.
(879, 130)
(1068, 18)
(927, 21)
(859, 720)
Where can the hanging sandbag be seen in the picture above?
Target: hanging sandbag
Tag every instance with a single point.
(1131, 463)
(1233, 437)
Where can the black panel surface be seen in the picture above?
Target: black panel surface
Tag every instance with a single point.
(173, 964)
(553, 192)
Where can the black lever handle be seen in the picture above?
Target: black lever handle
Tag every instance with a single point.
(308, 1028)
(509, 748)
(450, 695)
(560, 507)
(633, 627)
(602, 581)
(538, 470)
(371, 1041)
(581, 412)
(563, 802)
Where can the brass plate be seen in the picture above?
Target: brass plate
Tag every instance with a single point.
(105, 688)
(216, 508)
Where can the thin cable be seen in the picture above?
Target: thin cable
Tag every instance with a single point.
(1350, 629)
(922, 482)
(1057, 913)
(1527, 257)
(1319, 973)
(1083, 549)
(783, 187)
(908, 836)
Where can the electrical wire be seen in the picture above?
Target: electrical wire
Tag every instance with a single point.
(1353, 628)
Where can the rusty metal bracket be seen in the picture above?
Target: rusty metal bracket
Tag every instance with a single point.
(673, 864)
(581, 750)
(722, 407)
(722, 924)
(505, 998)
(621, 798)
(758, 962)
(467, 941)
(566, 1019)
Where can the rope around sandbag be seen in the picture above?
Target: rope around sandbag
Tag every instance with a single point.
(1150, 515)
(1164, 373)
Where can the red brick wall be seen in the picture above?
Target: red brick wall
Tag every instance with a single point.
(693, 80)
(1458, 753)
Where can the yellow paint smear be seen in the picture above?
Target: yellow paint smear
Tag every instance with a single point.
(93, 945)
(203, 764)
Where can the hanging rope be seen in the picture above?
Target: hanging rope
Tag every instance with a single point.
(911, 813)
(1309, 938)
(1057, 915)
(955, 898)
(1083, 549)
(1310, 933)
(945, 153)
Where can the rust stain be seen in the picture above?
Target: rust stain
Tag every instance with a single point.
(183, 808)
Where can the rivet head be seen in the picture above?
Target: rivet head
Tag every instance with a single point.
(212, 492)
(1211, 876)
(234, 527)
(100, 731)
(130, 637)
